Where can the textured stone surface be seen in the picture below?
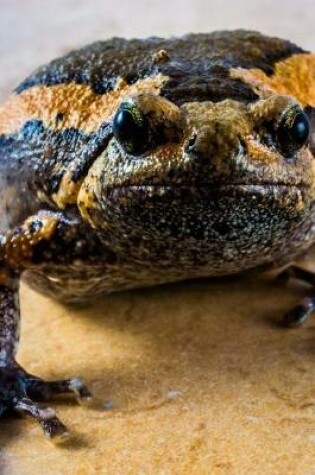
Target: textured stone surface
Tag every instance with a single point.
(202, 378)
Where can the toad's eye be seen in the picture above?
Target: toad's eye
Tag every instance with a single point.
(131, 129)
(293, 131)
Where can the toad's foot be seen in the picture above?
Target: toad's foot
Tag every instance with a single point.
(18, 389)
(299, 314)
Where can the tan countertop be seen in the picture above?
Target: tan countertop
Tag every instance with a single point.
(201, 376)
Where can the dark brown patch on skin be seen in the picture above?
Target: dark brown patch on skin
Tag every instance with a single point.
(32, 164)
(101, 63)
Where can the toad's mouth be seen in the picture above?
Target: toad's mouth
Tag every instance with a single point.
(186, 191)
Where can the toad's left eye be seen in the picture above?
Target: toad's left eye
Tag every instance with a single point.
(293, 131)
(131, 129)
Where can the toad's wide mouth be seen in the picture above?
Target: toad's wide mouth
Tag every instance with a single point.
(186, 191)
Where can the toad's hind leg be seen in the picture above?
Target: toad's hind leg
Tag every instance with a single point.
(301, 312)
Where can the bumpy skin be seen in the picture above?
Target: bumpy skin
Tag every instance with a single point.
(213, 193)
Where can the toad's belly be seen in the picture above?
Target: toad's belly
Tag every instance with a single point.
(75, 283)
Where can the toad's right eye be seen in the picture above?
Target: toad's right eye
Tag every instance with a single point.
(293, 131)
(131, 129)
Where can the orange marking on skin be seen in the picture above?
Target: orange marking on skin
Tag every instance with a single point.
(68, 191)
(258, 152)
(18, 248)
(70, 105)
(87, 200)
(294, 76)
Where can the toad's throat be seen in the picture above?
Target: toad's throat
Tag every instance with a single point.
(203, 214)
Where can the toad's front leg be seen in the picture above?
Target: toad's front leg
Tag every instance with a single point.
(301, 312)
(41, 237)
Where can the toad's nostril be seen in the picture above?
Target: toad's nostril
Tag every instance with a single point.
(191, 145)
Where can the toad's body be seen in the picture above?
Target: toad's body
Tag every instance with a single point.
(130, 163)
